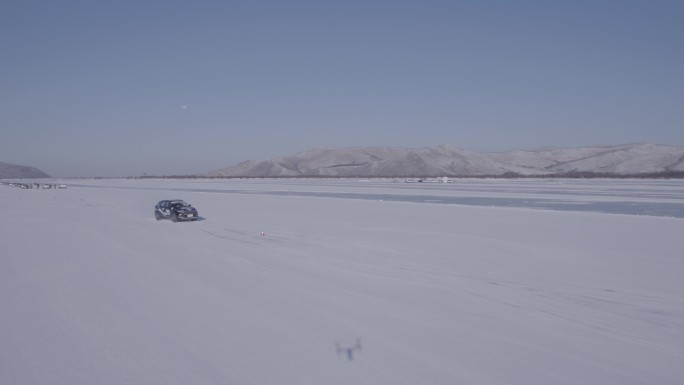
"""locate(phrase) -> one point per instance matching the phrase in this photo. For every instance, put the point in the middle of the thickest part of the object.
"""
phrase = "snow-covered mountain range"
(8, 170)
(453, 161)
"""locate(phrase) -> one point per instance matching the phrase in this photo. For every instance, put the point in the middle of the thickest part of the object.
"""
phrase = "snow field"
(96, 291)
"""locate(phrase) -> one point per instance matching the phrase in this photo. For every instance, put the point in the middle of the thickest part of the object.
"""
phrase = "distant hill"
(453, 161)
(8, 170)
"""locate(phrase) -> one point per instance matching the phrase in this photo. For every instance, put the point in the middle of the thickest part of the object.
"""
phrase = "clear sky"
(121, 88)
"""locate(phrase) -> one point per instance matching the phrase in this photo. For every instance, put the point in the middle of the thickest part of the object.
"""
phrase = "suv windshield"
(179, 204)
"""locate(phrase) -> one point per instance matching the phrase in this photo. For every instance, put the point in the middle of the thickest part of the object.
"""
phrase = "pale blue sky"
(118, 88)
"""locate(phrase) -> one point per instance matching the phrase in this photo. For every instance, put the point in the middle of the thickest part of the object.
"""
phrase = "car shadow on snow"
(199, 219)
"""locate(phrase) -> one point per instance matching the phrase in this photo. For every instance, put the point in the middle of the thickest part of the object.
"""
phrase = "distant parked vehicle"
(176, 210)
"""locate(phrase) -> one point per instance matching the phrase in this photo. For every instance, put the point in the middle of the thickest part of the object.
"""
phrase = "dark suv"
(175, 209)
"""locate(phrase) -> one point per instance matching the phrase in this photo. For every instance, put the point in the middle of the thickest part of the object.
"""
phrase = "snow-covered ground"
(94, 290)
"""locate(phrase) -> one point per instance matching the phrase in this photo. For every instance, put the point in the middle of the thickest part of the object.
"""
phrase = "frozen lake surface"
(344, 282)
(633, 197)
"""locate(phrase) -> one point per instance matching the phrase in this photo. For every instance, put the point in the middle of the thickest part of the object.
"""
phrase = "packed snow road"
(278, 289)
